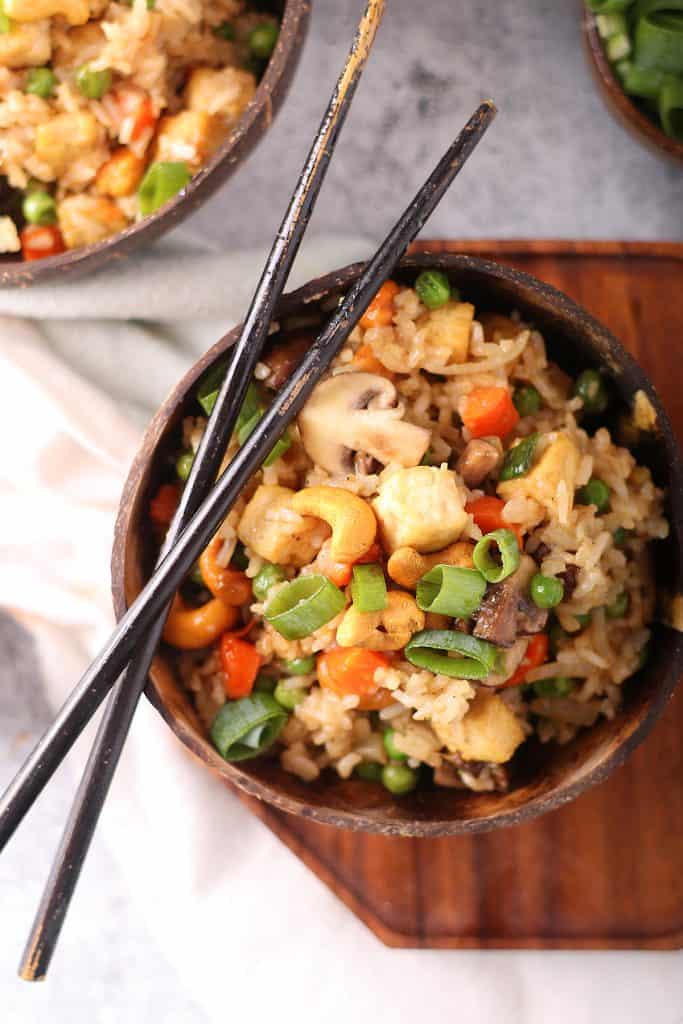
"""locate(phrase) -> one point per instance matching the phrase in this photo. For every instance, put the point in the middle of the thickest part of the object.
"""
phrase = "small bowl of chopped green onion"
(635, 48)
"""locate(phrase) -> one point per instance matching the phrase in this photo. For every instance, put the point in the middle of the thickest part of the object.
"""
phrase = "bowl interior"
(543, 776)
(252, 126)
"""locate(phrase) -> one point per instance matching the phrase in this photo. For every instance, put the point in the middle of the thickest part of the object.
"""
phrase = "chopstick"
(156, 594)
(115, 724)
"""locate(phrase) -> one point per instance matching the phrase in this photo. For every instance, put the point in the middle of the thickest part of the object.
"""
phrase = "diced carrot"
(351, 670)
(487, 513)
(536, 655)
(366, 361)
(163, 505)
(38, 242)
(138, 117)
(489, 412)
(230, 585)
(380, 312)
(373, 554)
(240, 662)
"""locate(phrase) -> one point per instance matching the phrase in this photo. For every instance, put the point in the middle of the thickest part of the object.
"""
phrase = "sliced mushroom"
(506, 612)
(479, 459)
(359, 412)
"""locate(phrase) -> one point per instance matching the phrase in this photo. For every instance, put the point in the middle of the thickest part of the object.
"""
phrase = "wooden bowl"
(250, 129)
(635, 120)
(545, 776)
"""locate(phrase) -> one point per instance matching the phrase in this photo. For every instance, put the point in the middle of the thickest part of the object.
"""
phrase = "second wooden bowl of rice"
(423, 753)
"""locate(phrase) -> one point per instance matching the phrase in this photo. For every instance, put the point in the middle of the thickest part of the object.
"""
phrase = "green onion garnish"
(245, 728)
(671, 107)
(304, 605)
(450, 590)
(494, 570)
(605, 6)
(281, 445)
(518, 459)
(369, 588)
(430, 649)
(210, 385)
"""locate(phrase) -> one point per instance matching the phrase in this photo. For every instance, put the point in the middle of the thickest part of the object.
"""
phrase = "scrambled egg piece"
(420, 508)
(224, 91)
(448, 332)
(558, 464)
(191, 136)
(488, 732)
(76, 12)
(62, 140)
(273, 530)
(26, 46)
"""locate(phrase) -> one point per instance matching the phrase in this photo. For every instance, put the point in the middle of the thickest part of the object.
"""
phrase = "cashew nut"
(76, 12)
(407, 566)
(352, 520)
(193, 628)
(228, 585)
(388, 630)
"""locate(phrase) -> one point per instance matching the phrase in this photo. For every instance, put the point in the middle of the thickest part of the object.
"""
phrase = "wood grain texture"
(605, 870)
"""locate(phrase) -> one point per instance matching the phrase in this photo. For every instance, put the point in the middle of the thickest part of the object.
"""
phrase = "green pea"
(225, 30)
(93, 84)
(557, 636)
(262, 39)
(591, 388)
(371, 771)
(39, 208)
(620, 536)
(40, 82)
(433, 288)
(184, 465)
(392, 750)
(265, 683)
(546, 591)
(619, 606)
(162, 182)
(239, 557)
(559, 686)
(288, 699)
(596, 492)
(527, 400)
(265, 578)
(399, 778)
(299, 666)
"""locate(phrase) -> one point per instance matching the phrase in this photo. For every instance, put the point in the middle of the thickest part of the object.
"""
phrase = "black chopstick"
(113, 729)
(157, 593)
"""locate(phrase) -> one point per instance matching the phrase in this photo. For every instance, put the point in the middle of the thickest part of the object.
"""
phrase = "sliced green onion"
(299, 666)
(611, 23)
(304, 605)
(281, 445)
(671, 108)
(518, 460)
(508, 549)
(183, 466)
(607, 6)
(658, 40)
(644, 82)
(557, 686)
(245, 728)
(161, 183)
(430, 649)
(369, 588)
(617, 47)
(210, 385)
(450, 590)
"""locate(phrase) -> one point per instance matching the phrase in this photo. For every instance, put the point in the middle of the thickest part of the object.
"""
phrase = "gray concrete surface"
(554, 164)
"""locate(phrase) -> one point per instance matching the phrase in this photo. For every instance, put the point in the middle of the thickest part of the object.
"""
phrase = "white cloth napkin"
(82, 365)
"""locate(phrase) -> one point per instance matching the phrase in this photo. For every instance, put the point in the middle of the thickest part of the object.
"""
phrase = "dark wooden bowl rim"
(551, 792)
(248, 131)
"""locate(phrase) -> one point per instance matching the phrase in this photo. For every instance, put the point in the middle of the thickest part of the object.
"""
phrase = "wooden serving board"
(603, 872)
